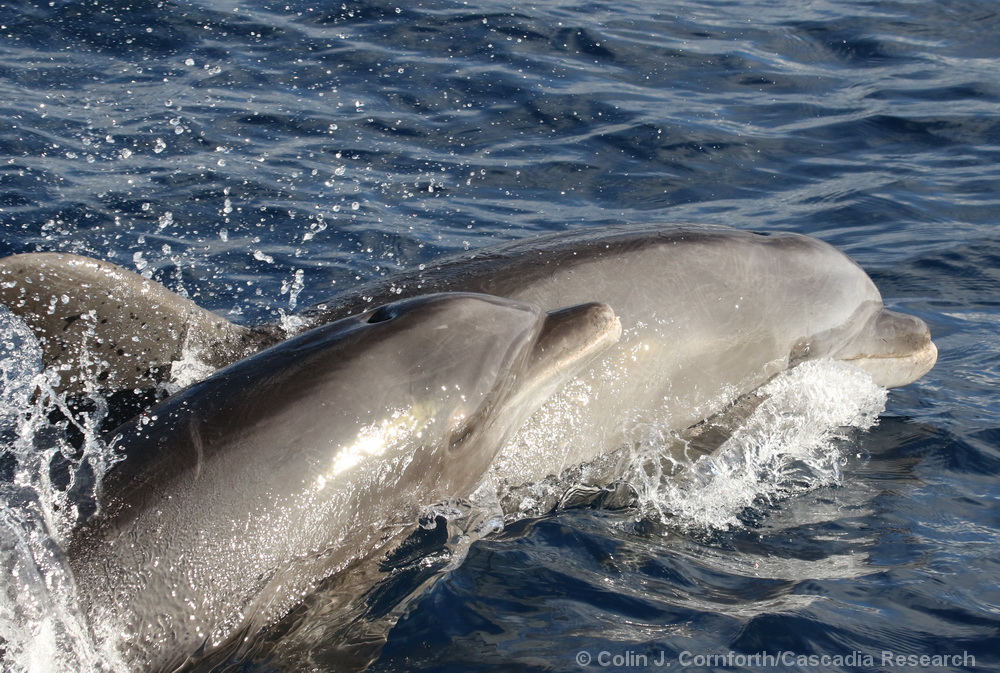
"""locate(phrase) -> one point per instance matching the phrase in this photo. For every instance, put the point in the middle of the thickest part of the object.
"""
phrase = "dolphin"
(708, 315)
(103, 326)
(809, 290)
(238, 495)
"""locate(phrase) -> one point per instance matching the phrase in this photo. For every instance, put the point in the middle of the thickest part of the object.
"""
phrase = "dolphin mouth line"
(926, 352)
(894, 371)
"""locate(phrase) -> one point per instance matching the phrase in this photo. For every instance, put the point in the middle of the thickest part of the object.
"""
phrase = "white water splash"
(186, 371)
(293, 288)
(42, 628)
(783, 439)
(791, 443)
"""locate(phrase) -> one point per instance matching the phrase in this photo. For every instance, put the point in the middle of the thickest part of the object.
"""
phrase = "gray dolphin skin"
(101, 324)
(810, 293)
(708, 315)
(240, 494)
(128, 330)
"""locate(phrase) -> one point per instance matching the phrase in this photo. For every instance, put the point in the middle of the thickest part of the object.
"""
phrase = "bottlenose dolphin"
(708, 315)
(103, 326)
(240, 494)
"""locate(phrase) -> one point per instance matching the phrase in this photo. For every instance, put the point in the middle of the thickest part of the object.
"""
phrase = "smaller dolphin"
(244, 491)
(709, 314)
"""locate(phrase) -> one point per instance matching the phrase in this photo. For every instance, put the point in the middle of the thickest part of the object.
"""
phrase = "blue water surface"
(260, 156)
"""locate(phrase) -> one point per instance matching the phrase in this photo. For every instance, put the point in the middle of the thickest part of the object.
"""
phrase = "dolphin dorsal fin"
(99, 322)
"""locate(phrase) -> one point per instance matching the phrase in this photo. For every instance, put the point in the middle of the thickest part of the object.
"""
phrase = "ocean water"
(262, 156)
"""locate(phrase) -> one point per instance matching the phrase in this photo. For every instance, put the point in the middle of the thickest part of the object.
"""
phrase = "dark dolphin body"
(243, 492)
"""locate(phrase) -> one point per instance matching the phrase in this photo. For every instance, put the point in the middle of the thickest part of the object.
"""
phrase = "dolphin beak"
(895, 348)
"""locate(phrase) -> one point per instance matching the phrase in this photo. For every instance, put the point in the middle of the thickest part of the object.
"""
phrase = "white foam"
(20, 362)
(43, 628)
(791, 443)
(187, 371)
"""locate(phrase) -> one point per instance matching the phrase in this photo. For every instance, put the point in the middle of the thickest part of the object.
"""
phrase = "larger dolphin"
(240, 494)
(708, 314)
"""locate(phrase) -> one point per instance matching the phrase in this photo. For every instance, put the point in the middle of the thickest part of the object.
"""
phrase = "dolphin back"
(102, 325)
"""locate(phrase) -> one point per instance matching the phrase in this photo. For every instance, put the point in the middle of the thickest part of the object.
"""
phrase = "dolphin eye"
(381, 314)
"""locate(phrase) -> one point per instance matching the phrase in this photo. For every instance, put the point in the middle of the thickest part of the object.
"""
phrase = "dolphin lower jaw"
(895, 371)
(569, 340)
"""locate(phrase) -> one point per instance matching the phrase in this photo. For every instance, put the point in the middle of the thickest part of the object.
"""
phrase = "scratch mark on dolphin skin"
(198, 445)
